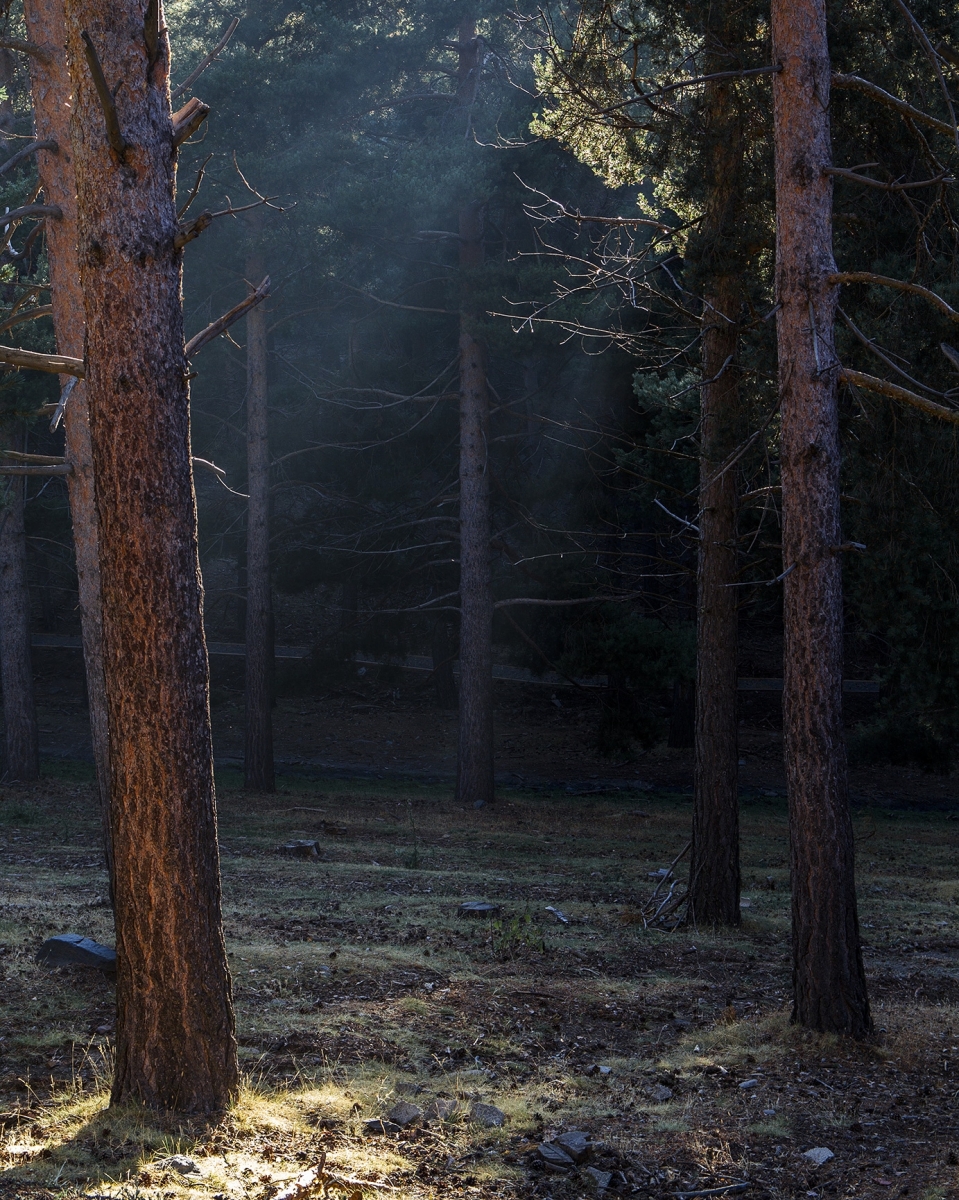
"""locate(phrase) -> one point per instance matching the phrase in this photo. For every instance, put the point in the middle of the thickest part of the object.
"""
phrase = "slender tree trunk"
(52, 106)
(176, 1048)
(829, 985)
(714, 876)
(16, 670)
(260, 660)
(474, 770)
(443, 655)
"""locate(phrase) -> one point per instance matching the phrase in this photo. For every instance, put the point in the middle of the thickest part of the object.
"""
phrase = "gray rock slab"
(478, 908)
(600, 1179)
(488, 1115)
(661, 1094)
(300, 849)
(376, 1125)
(576, 1143)
(554, 1156)
(405, 1114)
(818, 1155)
(67, 949)
(180, 1163)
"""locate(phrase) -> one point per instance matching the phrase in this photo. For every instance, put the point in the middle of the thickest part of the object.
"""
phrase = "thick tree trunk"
(714, 876)
(258, 759)
(176, 1048)
(474, 768)
(52, 107)
(22, 761)
(829, 986)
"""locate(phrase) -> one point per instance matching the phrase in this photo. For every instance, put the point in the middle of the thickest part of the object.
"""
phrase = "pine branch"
(854, 83)
(894, 392)
(900, 285)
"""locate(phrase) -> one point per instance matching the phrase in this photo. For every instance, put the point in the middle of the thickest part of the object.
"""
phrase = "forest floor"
(359, 986)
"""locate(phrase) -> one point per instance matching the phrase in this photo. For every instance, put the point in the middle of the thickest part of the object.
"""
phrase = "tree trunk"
(829, 986)
(443, 655)
(260, 660)
(22, 763)
(714, 876)
(176, 1048)
(52, 107)
(474, 768)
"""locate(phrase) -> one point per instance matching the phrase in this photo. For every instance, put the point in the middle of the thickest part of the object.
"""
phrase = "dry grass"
(357, 985)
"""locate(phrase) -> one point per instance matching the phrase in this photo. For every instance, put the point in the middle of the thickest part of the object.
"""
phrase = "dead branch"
(885, 359)
(894, 392)
(214, 53)
(188, 119)
(209, 466)
(30, 210)
(901, 285)
(215, 328)
(16, 469)
(195, 189)
(114, 135)
(843, 173)
(33, 460)
(192, 229)
(42, 310)
(52, 364)
(22, 46)
(854, 83)
(15, 159)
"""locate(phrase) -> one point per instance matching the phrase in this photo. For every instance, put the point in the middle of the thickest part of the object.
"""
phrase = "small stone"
(599, 1178)
(488, 1115)
(300, 849)
(604, 1070)
(747, 1084)
(554, 1157)
(67, 949)
(575, 1143)
(376, 1125)
(180, 1163)
(478, 908)
(405, 1114)
(769, 1112)
(661, 1094)
(441, 1110)
(818, 1155)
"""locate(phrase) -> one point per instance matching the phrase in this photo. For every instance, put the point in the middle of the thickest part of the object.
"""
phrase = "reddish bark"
(176, 1048)
(829, 986)
(52, 109)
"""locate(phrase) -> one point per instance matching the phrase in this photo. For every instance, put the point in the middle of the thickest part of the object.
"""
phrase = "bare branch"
(15, 159)
(53, 364)
(192, 229)
(24, 47)
(894, 392)
(214, 53)
(195, 189)
(215, 328)
(900, 285)
(188, 119)
(30, 210)
(884, 358)
(854, 83)
(209, 466)
(42, 310)
(114, 135)
(843, 173)
(17, 469)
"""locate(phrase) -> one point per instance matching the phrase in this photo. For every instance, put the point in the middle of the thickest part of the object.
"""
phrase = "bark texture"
(258, 758)
(176, 1048)
(474, 767)
(52, 109)
(22, 760)
(829, 986)
(714, 866)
